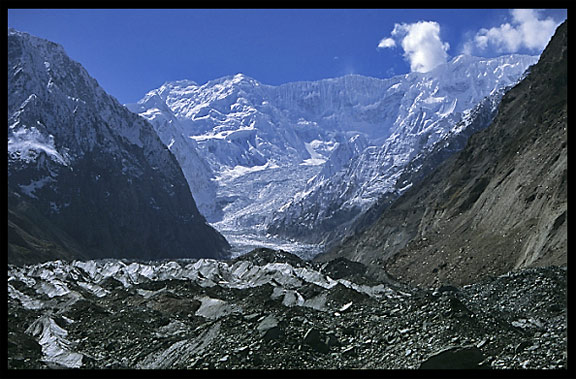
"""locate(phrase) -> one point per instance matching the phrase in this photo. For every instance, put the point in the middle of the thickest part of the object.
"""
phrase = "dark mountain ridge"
(86, 177)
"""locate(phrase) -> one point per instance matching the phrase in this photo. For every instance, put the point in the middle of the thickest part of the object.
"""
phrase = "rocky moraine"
(272, 310)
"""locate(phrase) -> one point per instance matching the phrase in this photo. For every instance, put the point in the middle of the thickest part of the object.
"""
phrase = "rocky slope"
(86, 177)
(498, 205)
(272, 310)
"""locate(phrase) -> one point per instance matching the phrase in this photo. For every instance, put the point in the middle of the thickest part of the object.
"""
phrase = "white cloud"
(526, 30)
(386, 42)
(421, 43)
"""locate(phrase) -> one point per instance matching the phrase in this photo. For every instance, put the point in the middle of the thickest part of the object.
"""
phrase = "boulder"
(269, 328)
(316, 340)
(458, 357)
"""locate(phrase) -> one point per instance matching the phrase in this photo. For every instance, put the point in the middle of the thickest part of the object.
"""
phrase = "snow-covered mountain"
(263, 143)
(432, 106)
(198, 173)
(337, 203)
(241, 126)
(274, 149)
(87, 177)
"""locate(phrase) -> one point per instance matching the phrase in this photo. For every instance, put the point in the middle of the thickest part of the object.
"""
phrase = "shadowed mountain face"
(86, 177)
(498, 205)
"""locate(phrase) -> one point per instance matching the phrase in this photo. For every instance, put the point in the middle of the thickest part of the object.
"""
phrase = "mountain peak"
(179, 83)
(48, 48)
(238, 79)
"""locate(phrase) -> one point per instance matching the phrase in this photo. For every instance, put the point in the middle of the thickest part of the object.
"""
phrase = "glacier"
(55, 287)
(268, 164)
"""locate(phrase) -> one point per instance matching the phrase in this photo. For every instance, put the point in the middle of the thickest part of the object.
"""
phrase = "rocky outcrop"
(500, 204)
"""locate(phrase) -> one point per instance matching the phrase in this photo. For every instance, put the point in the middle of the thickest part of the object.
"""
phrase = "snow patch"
(34, 185)
(237, 171)
(26, 301)
(27, 142)
(316, 158)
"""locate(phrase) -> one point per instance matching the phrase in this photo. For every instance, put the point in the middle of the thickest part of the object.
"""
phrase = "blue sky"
(131, 51)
